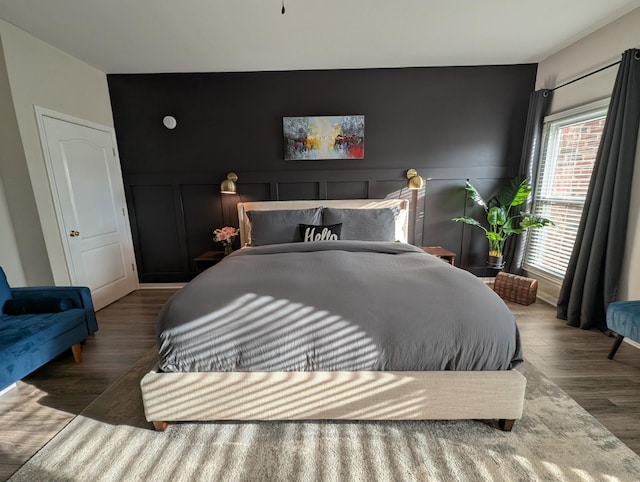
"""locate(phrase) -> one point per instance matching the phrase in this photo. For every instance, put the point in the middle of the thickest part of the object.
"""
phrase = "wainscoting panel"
(342, 189)
(256, 191)
(382, 189)
(201, 205)
(444, 199)
(159, 253)
(291, 191)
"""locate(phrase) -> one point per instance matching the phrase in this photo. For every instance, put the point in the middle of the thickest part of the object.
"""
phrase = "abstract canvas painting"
(323, 137)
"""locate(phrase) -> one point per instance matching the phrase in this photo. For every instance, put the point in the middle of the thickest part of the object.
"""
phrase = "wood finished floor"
(45, 401)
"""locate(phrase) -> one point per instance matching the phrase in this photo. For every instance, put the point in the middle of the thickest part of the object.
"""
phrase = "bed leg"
(506, 424)
(160, 426)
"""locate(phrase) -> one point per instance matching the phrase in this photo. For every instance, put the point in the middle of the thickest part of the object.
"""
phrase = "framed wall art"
(323, 137)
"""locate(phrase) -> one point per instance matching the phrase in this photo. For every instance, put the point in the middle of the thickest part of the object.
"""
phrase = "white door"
(89, 197)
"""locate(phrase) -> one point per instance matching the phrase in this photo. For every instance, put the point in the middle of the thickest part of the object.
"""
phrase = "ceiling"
(143, 36)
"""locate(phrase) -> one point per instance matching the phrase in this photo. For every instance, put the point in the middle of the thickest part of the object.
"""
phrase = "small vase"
(228, 249)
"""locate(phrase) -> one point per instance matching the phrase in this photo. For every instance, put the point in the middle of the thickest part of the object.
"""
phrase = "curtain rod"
(586, 75)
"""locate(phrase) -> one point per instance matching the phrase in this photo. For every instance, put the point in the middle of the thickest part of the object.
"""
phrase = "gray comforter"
(336, 305)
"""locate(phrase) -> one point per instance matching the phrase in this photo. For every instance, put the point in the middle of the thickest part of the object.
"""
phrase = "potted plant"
(501, 223)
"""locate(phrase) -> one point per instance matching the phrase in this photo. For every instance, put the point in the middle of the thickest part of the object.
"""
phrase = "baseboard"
(161, 286)
(632, 343)
(548, 298)
(6, 389)
(488, 280)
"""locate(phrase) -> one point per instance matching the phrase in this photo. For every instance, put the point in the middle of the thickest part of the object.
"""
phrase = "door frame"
(41, 113)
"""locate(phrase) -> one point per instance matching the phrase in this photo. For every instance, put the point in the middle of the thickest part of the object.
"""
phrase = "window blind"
(569, 152)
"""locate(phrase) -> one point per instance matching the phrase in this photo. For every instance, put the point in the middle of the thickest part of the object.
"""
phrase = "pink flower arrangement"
(226, 236)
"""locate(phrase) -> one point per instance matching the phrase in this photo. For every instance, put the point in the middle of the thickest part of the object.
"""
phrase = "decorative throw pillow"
(313, 232)
(36, 305)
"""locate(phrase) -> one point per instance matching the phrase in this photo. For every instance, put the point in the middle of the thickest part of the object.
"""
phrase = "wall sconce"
(415, 181)
(169, 122)
(228, 186)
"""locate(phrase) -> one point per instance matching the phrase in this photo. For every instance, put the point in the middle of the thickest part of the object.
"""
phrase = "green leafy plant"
(501, 223)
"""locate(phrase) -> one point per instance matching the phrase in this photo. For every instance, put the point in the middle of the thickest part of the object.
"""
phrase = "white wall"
(13, 174)
(39, 74)
(9, 254)
(592, 52)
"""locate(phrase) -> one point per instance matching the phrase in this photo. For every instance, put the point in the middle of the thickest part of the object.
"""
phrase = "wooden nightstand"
(441, 253)
(207, 260)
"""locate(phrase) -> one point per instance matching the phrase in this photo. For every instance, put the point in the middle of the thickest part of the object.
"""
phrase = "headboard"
(402, 222)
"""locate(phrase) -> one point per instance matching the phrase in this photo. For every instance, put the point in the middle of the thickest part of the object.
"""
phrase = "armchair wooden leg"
(77, 353)
(616, 345)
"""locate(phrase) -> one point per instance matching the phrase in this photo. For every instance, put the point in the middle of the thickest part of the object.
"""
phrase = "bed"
(364, 327)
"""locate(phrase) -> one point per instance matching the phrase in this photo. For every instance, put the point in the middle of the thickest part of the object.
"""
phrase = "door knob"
(73, 233)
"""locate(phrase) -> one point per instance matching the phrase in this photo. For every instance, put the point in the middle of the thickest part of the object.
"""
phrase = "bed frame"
(338, 395)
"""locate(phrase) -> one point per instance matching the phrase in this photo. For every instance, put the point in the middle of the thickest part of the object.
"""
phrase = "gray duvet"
(336, 305)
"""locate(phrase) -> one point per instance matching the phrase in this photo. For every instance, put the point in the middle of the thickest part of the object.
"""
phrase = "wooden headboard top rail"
(402, 222)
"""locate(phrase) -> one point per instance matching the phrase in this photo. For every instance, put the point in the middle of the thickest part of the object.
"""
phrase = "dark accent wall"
(449, 123)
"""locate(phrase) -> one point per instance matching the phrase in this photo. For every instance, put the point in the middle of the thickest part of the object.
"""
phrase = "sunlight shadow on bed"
(290, 395)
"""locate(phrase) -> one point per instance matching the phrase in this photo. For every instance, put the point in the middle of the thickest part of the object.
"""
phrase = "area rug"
(555, 440)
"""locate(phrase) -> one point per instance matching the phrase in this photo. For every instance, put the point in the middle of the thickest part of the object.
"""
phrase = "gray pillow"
(363, 224)
(275, 227)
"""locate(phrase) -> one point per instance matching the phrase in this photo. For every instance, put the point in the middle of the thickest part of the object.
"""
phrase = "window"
(570, 146)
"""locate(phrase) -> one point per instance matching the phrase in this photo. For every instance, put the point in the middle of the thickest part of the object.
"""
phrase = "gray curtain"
(593, 275)
(538, 106)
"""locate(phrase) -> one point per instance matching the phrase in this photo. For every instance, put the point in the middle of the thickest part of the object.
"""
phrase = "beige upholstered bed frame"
(362, 395)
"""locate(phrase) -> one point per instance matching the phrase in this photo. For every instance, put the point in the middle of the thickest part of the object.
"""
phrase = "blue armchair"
(623, 319)
(39, 323)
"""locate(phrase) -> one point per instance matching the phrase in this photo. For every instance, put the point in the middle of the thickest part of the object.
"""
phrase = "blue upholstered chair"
(623, 318)
(39, 323)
